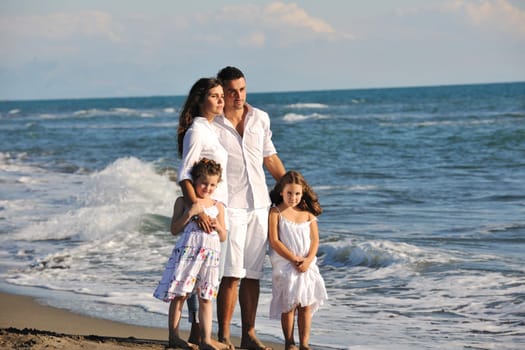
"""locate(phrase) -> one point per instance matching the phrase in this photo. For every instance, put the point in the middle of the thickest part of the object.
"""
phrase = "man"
(244, 131)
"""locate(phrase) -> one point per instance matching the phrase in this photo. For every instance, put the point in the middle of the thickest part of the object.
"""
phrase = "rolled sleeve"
(268, 148)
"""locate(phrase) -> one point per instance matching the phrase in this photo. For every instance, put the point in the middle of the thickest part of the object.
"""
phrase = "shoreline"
(24, 320)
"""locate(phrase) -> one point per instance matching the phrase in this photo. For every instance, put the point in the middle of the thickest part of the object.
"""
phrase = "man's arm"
(190, 198)
(275, 166)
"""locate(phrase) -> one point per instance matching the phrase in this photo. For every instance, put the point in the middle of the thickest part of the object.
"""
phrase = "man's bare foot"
(221, 346)
(226, 341)
(178, 343)
(290, 346)
(207, 346)
(252, 343)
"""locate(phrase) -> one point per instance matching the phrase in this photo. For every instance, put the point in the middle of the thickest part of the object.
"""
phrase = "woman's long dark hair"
(192, 106)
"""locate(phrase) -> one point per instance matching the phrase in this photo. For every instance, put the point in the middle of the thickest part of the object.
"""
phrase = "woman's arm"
(191, 154)
(188, 192)
(219, 225)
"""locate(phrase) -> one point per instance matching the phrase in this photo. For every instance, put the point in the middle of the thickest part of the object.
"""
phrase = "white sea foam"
(294, 117)
(308, 105)
(105, 222)
(109, 201)
(117, 112)
(447, 122)
(123, 110)
(13, 159)
(375, 254)
(350, 188)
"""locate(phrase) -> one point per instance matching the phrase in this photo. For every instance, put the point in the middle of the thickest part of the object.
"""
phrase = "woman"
(196, 140)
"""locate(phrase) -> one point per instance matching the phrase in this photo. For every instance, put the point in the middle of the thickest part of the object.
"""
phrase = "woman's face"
(213, 103)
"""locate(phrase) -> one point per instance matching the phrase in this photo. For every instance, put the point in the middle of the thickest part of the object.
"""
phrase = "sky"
(52, 49)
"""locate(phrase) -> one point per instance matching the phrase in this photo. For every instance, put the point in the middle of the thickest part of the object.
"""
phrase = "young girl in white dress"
(194, 262)
(297, 285)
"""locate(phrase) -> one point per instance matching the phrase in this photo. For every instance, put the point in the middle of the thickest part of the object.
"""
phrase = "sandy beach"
(27, 324)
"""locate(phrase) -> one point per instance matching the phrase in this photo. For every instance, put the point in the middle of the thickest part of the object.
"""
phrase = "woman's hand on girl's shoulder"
(196, 209)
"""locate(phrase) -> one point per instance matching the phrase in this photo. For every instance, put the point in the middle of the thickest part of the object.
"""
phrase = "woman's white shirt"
(201, 141)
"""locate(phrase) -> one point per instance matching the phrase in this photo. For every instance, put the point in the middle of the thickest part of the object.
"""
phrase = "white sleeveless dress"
(193, 264)
(290, 288)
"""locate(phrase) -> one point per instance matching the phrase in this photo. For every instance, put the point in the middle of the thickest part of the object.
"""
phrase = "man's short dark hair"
(229, 73)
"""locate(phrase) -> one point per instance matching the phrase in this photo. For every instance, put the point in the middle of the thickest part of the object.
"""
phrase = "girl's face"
(205, 185)
(213, 103)
(292, 194)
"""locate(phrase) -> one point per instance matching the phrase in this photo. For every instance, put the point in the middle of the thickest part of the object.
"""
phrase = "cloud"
(244, 25)
(294, 16)
(256, 39)
(277, 24)
(500, 15)
(60, 26)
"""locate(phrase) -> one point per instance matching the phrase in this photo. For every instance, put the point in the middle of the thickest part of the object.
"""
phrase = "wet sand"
(27, 324)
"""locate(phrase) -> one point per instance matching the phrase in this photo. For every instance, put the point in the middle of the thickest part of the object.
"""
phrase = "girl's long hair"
(192, 106)
(309, 201)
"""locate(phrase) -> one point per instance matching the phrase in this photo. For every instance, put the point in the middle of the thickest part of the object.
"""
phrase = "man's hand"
(204, 222)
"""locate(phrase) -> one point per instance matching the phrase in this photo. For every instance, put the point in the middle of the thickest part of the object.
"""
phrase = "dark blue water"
(423, 190)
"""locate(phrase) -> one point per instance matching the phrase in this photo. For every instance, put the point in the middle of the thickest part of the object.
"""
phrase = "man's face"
(234, 94)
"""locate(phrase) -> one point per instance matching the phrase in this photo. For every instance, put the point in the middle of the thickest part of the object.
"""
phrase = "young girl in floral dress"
(194, 262)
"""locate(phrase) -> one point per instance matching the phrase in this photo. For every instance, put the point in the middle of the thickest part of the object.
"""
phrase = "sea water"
(422, 239)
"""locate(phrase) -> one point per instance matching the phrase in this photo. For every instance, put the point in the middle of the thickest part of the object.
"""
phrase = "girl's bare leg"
(205, 323)
(193, 306)
(304, 324)
(173, 324)
(287, 324)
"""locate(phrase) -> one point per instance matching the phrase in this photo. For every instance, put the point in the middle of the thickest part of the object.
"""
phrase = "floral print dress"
(193, 264)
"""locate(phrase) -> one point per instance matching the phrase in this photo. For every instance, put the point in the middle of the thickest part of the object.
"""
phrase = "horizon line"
(262, 92)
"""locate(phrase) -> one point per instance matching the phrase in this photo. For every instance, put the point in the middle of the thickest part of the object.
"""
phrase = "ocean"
(422, 238)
